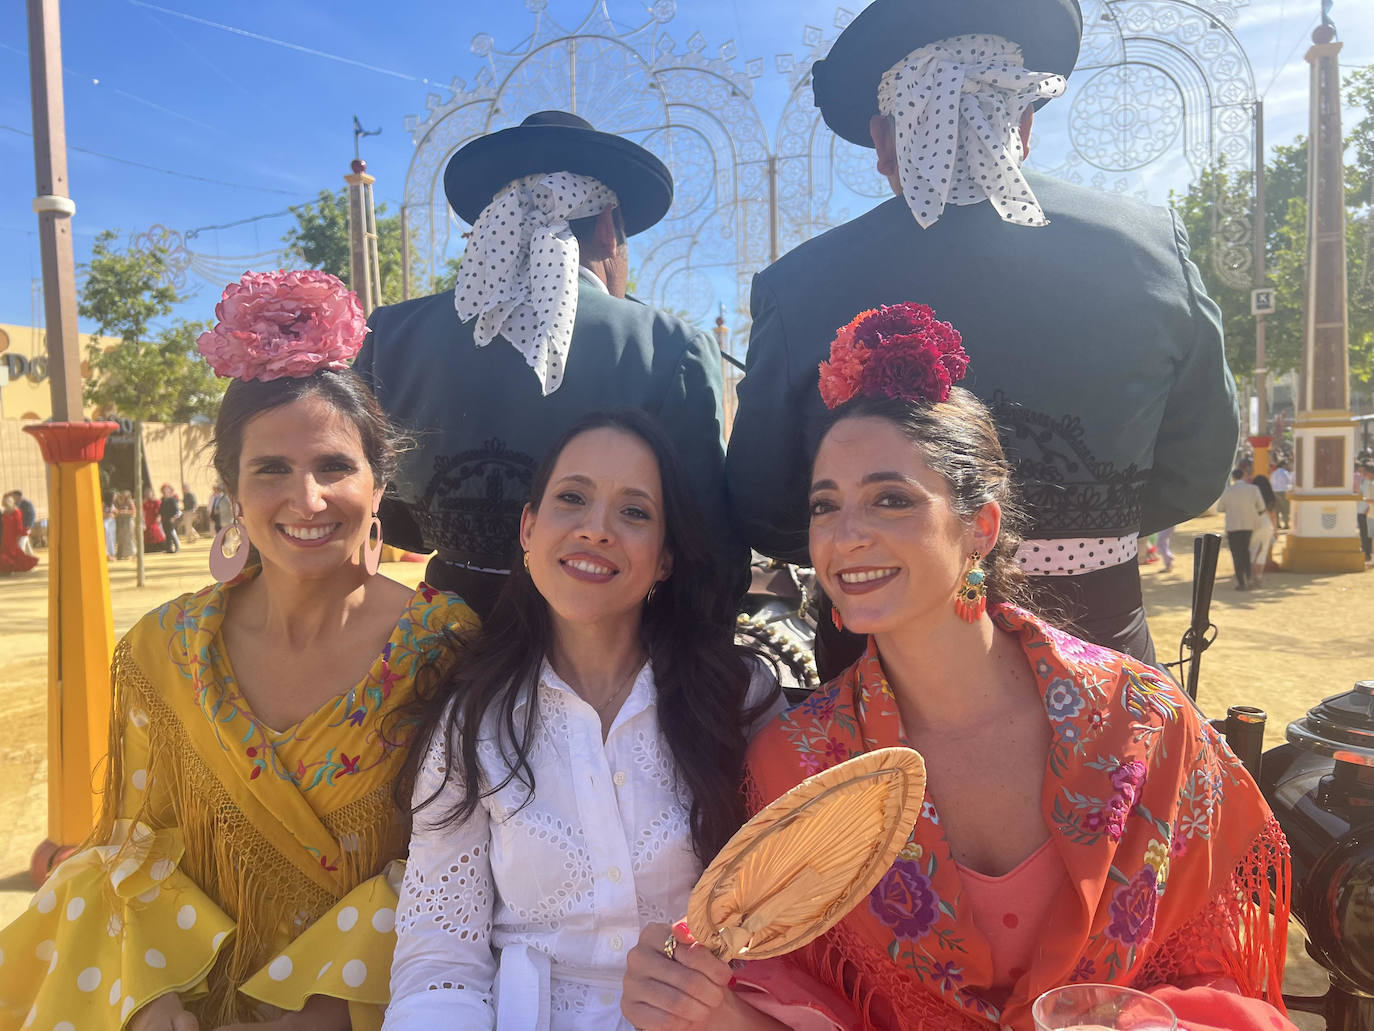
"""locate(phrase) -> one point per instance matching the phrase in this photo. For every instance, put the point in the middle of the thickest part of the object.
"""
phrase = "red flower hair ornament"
(901, 351)
(287, 323)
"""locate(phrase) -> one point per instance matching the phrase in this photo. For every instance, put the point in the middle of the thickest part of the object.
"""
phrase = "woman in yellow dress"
(242, 869)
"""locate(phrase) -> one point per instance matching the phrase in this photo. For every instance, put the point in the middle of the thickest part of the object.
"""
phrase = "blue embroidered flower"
(1063, 700)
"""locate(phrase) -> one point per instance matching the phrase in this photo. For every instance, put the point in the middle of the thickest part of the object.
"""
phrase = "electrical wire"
(165, 171)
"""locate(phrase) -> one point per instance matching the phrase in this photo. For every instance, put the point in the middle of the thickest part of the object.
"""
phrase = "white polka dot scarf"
(519, 272)
(957, 104)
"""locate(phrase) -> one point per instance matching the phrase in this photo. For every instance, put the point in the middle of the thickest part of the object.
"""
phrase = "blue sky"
(256, 99)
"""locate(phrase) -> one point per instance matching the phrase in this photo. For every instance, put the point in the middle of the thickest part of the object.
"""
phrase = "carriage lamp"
(1321, 788)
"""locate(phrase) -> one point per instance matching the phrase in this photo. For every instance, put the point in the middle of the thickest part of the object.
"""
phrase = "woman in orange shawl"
(1082, 822)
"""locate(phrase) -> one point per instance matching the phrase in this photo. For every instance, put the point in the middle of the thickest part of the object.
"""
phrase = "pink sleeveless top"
(1010, 910)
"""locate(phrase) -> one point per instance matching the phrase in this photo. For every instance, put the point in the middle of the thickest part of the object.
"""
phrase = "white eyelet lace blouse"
(520, 919)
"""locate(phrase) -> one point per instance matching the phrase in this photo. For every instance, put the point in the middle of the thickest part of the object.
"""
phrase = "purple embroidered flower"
(1128, 779)
(819, 704)
(1133, 909)
(1062, 700)
(947, 975)
(1094, 821)
(1076, 650)
(835, 751)
(1115, 817)
(1086, 970)
(905, 901)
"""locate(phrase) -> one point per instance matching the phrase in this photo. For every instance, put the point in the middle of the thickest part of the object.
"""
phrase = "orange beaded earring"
(971, 600)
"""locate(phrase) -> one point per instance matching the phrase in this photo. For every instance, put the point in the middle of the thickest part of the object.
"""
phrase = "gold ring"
(670, 947)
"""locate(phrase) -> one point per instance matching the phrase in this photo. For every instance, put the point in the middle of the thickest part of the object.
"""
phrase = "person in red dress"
(13, 558)
(153, 537)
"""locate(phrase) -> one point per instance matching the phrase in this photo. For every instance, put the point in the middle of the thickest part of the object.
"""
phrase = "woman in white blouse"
(584, 762)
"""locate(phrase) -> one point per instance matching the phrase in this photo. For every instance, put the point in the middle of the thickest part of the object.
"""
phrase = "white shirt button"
(617, 943)
(614, 874)
(620, 778)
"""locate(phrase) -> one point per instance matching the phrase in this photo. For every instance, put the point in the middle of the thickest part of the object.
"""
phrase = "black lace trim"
(1066, 491)
(471, 507)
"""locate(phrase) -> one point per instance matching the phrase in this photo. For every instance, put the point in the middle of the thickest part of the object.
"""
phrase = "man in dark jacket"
(1091, 335)
(538, 333)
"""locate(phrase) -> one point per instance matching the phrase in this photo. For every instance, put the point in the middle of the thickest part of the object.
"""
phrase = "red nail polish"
(683, 933)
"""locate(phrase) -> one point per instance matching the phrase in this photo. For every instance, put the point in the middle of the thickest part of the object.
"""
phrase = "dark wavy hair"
(958, 440)
(342, 389)
(701, 675)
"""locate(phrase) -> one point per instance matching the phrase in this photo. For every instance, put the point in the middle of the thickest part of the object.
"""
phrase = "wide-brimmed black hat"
(845, 83)
(555, 141)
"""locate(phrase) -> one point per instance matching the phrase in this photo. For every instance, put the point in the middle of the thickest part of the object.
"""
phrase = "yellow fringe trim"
(263, 890)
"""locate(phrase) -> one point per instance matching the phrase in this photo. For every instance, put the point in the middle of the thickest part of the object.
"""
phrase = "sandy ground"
(1282, 647)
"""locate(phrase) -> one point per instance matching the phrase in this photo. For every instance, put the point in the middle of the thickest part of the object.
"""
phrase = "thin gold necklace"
(601, 709)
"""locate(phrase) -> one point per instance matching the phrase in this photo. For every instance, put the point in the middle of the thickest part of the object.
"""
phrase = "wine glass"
(1101, 1007)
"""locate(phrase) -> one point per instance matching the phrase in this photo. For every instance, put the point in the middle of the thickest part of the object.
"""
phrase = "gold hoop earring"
(527, 560)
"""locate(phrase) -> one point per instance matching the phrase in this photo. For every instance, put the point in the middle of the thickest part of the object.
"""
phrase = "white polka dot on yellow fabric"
(186, 917)
(32, 1016)
(114, 925)
(65, 1025)
(324, 969)
(45, 902)
(162, 869)
(384, 920)
(76, 907)
(348, 916)
(150, 895)
(115, 990)
(52, 963)
(138, 717)
(122, 872)
(155, 959)
(45, 950)
(139, 779)
(89, 979)
(2, 957)
(126, 1008)
(354, 973)
(218, 940)
(280, 968)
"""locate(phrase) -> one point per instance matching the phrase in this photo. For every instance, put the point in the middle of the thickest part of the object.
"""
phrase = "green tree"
(1286, 237)
(147, 374)
(320, 240)
(447, 279)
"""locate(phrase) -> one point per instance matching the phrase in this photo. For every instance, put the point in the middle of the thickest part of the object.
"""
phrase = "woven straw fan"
(794, 870)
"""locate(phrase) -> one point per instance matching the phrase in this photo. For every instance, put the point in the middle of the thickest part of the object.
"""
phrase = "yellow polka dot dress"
(243, 868)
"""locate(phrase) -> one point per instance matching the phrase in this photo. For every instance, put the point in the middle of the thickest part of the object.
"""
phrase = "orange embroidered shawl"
(1171, 850)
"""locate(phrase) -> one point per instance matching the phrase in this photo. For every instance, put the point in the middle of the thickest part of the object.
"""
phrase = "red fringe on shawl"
(1244, 929)
(1242, 935)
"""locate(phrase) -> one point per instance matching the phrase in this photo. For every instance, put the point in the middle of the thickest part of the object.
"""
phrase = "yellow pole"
(1260, 446)
(80, 631)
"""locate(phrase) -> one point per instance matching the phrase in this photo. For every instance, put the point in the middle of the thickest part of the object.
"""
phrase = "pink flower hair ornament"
(899, 351)
(286, 323)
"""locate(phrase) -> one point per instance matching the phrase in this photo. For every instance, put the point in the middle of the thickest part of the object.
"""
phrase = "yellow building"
(174, 454)
(24, 390)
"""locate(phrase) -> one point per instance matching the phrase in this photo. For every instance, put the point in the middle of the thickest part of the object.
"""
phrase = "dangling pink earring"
(372, 550)
(835, 617)
(229, 550)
